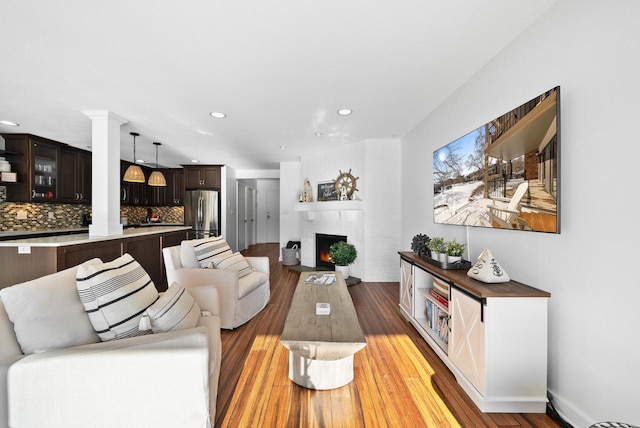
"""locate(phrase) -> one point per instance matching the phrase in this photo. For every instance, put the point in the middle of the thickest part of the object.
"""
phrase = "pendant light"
(134, 173)
(157, 178)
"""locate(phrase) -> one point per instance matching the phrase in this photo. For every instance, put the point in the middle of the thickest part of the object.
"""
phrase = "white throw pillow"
(115, 295)
(197, 253)
(176, 309)
(234, 261)
(47, 314)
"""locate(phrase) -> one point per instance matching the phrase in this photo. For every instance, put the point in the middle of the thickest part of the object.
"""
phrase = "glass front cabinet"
(44, 164)
(36, 163)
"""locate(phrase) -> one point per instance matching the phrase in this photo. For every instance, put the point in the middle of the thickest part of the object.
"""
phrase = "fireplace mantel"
(344, 208)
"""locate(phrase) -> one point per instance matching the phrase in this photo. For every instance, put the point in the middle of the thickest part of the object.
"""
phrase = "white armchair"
(55, 372)
(240, 298)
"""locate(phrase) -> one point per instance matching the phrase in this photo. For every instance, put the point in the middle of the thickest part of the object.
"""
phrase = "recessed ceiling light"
(318, 134)
(194, 161)
(217, 115)
(8, 123)
(139, 161)
(345, 111)
(283, 147)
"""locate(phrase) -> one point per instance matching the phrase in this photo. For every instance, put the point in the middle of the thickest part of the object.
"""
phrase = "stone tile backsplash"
(42, 216)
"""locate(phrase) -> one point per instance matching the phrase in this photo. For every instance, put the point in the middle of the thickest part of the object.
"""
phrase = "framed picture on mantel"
(327, 191)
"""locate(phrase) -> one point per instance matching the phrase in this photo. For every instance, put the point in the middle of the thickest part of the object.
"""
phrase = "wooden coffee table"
(321, 347)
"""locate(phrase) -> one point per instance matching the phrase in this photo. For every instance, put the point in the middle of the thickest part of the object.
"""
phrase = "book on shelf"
(441, 287)
(321, 279)
(437, 320)
(443, 301)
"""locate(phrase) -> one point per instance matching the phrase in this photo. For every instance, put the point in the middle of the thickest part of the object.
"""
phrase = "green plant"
(436, 245)
(343, 253)
(420, 244)
(454, 248)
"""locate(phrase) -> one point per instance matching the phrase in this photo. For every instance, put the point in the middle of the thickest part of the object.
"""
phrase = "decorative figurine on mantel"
(307, 192)
(346, 185)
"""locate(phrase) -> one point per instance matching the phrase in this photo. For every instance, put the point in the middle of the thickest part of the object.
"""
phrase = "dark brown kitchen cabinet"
(135, 194)
(36, 164)
(75, 176)
(202, 176)
(178, 187)
(145, 248)
(173, 193)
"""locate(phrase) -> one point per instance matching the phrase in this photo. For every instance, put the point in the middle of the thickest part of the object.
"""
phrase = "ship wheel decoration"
(345, 185)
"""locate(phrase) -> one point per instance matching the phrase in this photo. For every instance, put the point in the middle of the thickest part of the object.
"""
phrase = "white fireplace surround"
(370, 221)
(331, 218)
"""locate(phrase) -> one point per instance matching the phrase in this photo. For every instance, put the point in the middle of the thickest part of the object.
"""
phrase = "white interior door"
(273, 216)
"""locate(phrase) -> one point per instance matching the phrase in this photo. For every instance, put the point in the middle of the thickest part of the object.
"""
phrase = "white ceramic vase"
(453, 259)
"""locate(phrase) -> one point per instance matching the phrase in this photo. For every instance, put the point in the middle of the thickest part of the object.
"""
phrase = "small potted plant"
(436, 245)
(454, 251)
(343, 254)
(420, 245)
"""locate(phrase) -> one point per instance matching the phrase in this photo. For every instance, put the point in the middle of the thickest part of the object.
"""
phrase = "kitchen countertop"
(22, 234)
(64, 237)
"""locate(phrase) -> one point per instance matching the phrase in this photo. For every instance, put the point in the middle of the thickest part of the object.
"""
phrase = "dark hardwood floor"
(398, 379)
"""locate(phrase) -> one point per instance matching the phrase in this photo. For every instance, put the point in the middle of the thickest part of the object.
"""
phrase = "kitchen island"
(26, 258)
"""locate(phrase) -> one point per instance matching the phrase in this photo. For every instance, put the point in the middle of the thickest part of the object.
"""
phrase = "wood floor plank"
(433, 415)
(398, 378)
(369, 398)
(278, 406)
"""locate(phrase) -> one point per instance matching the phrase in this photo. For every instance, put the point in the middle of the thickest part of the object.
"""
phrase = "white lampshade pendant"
(134, 173)
(157, 178)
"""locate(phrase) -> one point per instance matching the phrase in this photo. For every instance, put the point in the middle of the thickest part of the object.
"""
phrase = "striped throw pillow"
(210, 250)
(115, 295)
(176, 309)
(233, 261)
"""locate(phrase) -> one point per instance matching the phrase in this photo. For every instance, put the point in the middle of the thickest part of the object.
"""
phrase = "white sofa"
(241, 298)
(155, 380)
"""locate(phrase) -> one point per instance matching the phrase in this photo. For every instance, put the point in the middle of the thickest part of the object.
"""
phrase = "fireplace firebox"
(323, 243)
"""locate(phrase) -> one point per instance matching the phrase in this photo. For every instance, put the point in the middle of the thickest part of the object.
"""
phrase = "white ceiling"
(279, 69)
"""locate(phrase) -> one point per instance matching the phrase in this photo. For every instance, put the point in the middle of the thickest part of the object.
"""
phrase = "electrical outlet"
(51, 215)
(21, 215)
(24, 250)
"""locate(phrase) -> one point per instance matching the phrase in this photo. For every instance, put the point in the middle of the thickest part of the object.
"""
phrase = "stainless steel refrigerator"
(201, 212)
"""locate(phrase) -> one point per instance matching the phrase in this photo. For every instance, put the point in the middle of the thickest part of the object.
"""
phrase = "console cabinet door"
(406, 287)
(467, 341)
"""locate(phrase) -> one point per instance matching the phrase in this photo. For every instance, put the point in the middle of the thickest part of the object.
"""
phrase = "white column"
(105, 187)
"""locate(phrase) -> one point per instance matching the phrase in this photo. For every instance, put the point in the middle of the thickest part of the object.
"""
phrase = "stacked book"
(437, 315)
(440, 292)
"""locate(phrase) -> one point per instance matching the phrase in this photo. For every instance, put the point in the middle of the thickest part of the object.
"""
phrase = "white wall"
(589, 48)
(228, 199)
(381, 209)
(290, 187)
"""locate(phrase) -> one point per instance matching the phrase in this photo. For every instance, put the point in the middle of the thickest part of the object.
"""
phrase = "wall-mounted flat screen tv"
(504, 174)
